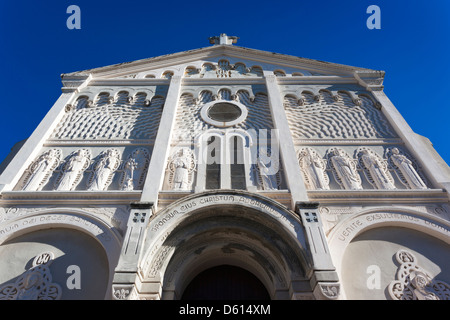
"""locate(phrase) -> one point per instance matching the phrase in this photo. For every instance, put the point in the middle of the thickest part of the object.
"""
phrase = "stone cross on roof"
(223, 39)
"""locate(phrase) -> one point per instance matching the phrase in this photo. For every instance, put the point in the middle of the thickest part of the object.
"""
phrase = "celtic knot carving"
(415, 283)
(35, 283)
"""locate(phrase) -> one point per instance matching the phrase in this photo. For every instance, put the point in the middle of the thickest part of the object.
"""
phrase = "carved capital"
(122, 291)
(327, 290)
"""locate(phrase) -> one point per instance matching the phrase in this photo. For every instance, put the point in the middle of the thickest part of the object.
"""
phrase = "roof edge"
(222, 49)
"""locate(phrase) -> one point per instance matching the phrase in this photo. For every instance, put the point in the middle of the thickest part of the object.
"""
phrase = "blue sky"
(412, 46)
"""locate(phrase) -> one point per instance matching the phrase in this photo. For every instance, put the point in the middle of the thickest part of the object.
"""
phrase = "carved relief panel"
(91, 169)
(180, 169)
(111, 115)
(359, 168)
(314, 169)
(40, 170)
(72, 170)
(324, 115)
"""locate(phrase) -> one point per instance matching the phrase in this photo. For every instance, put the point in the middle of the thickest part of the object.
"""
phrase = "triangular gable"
(217, 60)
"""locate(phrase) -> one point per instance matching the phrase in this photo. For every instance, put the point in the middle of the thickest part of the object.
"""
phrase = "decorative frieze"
(111, 117)
(325, 116)
(223, 69)
(360, 169)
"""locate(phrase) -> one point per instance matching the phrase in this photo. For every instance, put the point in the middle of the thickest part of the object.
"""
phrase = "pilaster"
(289, 159)
(324, 279)
(127, 267)
(161, 148)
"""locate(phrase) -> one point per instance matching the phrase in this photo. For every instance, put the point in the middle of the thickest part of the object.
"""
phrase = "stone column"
(292, 172)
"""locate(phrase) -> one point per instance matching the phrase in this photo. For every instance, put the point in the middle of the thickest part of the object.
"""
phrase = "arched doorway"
(226, 228)
(225, 282)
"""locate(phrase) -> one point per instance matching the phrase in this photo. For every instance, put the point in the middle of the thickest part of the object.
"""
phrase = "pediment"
(222, 61)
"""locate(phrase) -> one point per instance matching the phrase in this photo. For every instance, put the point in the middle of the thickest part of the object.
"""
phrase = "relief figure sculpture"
(72, 170)
(377, 170)
(405, 166)
(104, 168)
(345, 169)
(314, 169)
(41, 169)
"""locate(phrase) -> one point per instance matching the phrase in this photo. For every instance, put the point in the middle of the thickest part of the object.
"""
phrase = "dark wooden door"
(225, 283)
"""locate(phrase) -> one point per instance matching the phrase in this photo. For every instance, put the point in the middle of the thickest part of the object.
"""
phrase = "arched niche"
(366, 243)
(76, 238)
(369, 264)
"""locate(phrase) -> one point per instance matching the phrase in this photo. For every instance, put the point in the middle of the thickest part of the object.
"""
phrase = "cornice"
(367, 197)
(98, 142)
(349, 141)
(70, 197)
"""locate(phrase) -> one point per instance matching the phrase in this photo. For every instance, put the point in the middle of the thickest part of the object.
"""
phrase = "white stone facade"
(317, 185)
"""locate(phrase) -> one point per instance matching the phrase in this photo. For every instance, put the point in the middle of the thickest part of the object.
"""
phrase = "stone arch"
(225, 227)
(373, 219)
(73, 219)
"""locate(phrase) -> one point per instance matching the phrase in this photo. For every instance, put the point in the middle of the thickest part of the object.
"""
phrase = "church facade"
(229, 173)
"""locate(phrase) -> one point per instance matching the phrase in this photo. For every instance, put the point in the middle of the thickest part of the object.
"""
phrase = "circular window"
(223, 113)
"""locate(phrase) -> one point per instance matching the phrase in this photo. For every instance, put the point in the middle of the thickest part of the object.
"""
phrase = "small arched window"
(213, 156)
